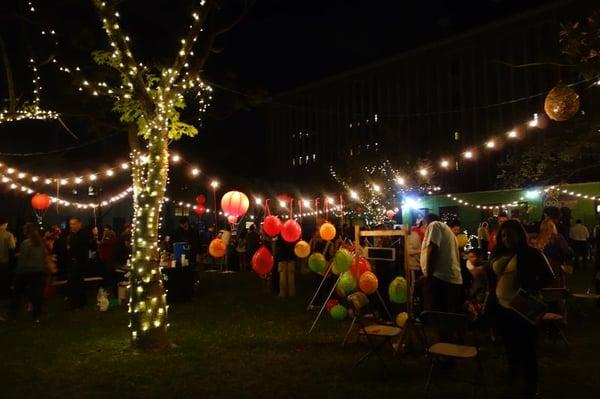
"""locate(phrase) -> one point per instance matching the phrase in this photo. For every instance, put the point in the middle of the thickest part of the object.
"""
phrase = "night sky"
(280, 45)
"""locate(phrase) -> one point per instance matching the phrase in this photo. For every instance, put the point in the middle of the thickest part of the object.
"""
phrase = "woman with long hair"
(517, 265)
(30, 272)
(555, 248)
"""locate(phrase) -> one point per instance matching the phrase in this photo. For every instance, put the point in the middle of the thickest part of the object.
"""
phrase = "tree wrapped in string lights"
(150, 99)
(376, 187)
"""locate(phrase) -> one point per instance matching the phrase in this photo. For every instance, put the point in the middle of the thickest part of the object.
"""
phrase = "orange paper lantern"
(327, 231)
(235, 203)
(217, 248)
(40, 202)
(368, 283)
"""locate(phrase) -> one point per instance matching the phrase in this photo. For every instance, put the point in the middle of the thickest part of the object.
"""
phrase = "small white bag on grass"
(102, 299)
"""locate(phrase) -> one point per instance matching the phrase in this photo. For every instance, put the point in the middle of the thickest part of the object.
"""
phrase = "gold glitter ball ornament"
(562, 103)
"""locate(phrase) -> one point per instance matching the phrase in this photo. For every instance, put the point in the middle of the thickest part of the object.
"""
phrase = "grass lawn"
(235, 340)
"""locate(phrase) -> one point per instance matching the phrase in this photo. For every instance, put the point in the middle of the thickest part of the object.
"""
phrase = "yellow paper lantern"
(401, 319)
(217, 248)
(327, 231)
(562, 103)
(302, 249)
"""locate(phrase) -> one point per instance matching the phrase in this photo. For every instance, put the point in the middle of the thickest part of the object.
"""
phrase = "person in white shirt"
(440, 263)
(579, 235)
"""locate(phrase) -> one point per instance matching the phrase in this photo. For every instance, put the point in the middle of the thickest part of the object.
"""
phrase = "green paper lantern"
(316, 262)
(343, 260)
(346, 283)
(339, 312)
(398, 291)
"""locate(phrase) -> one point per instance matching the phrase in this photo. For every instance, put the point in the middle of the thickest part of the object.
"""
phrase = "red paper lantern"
(232, 219)
(363, 266)
(200, 209)
(201, 199)
(390, 214)
(262, 261)
(272, 226)
(40, 202)
(291, 231)
(235, 203)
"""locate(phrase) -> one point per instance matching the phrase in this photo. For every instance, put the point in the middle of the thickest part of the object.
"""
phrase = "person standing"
(579, 235)
(286, 263)
(252, 241)
(516, 266)
(440, 264)
(29, 275)
(78, 246)
(107, 247)
(555, 248)
(7, 245)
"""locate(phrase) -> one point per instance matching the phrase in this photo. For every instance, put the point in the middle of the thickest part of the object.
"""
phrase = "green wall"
(470, 216)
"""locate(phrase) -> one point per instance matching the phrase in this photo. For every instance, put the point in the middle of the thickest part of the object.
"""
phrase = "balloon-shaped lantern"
(200, 209)
(235, 203)
(316, 262)
(339, 312)
(363, 266)
(272, 226)
(302, 249)
(262, 261)
(40, 202)
(346, 283)
(342, 260)
(217, 248)
(368, 283)
(201, 199)
(562, 103)
(291, 231)
(398, 291)
(327, 231)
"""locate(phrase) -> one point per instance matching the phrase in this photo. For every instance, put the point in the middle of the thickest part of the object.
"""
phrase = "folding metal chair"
(555, 321)
(449, 326)
(377, 335)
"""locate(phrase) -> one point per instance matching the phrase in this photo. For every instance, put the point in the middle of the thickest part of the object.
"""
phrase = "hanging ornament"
(562, 103)
(201, 199)
(272, 226)
(200, 209)
(262, 261)
(40, 202)
(327, 231)
(235, 203)
(217, 248)
(368, 283)
(291, 231)
(302, 249)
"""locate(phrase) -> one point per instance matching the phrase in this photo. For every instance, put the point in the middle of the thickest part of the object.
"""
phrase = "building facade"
(426, 103)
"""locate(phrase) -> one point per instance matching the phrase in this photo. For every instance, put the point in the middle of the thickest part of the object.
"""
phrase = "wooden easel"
(410, 327)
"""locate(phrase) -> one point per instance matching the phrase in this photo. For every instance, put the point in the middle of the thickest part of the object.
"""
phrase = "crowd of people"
(508, 262)
(30, 267)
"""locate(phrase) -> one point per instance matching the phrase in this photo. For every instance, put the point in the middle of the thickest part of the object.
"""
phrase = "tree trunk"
(148, 301)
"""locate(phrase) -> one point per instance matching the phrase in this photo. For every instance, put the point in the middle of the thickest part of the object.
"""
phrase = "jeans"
(34, 281)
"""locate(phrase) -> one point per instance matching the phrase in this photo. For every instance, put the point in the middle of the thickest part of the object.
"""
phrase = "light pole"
(215, 184)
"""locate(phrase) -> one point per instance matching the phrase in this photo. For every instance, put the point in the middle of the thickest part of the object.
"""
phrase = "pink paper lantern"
(235, 203)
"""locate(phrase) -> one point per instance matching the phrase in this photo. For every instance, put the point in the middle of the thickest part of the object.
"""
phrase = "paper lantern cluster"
(562, 103)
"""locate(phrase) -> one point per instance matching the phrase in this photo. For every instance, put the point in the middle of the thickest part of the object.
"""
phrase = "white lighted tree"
(149, 99)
